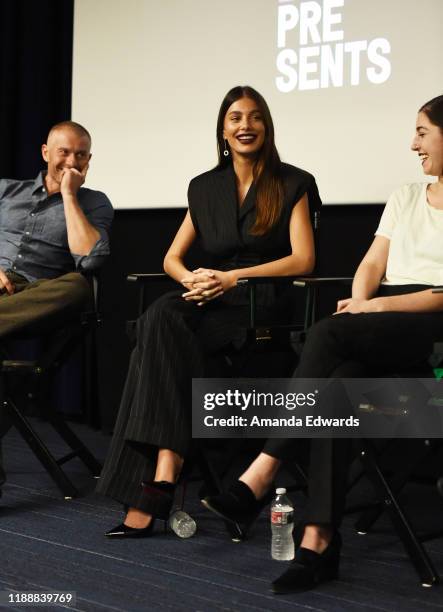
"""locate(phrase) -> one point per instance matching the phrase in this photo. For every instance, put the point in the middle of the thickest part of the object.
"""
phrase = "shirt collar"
(39, 183)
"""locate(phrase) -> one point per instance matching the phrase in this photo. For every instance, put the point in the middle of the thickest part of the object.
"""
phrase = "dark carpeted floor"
(47, 543)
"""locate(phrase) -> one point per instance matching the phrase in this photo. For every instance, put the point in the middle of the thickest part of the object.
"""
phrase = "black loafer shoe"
(309, 568)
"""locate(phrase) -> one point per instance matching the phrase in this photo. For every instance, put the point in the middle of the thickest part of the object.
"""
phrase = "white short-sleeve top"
(415, 231)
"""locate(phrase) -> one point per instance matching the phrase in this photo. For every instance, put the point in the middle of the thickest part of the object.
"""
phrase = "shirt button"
(14, 267)
(20, 256)
(32, 214)
(27, 233)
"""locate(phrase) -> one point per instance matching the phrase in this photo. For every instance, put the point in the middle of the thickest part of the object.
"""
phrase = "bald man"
(51, 231)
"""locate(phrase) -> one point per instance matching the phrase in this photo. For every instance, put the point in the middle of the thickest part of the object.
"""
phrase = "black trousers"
(176, 341)
(353, 345)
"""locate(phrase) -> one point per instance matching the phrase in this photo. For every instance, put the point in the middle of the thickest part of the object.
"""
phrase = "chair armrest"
(146, 278)
(264, 280)
(252, 281)
(311, 283)
(322, 281)
(297, 281)
(91, 318)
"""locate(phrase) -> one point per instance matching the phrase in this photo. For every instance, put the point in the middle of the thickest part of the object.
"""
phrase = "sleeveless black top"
(223, 227)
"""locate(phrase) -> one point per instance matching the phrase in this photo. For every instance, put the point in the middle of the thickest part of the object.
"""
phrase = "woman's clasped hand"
(205, 285)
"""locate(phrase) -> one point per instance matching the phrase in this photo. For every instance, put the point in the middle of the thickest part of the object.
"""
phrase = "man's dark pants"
(37, 308)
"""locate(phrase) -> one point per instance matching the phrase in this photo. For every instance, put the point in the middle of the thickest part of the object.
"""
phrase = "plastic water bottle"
(182, 524)
(282, 524)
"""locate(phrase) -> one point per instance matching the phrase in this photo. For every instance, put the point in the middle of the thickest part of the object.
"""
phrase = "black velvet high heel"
(158, 498)
(238, 506)
(124, 531)
(309, 569)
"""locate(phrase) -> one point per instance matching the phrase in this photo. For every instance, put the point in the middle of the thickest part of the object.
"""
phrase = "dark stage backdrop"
(35, 79)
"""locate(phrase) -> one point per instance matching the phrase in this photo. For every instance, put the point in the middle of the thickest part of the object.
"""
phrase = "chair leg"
(40, 450)
(299, 474)
(400, 479)
(184, 486)
(72, 440)
(5, 423)
(210, 476)
(414, 548)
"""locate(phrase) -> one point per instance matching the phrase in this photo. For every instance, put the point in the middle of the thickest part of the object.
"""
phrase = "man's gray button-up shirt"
(33, 234)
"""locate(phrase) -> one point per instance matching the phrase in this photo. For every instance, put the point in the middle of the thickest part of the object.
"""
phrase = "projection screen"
(343, 79)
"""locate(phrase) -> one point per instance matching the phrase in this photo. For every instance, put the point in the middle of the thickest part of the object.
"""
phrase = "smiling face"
(243, 128)
(66, 148)
(428, 143)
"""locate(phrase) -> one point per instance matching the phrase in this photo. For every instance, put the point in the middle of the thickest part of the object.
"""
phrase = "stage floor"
(49, 544)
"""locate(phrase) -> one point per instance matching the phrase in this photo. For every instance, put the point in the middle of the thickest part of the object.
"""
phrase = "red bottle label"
(281, 518)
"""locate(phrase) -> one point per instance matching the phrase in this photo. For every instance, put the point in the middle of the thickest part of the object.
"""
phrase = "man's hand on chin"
(72, 180)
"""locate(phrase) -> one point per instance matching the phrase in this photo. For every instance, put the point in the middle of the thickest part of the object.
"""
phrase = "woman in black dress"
(392, 318)
(251, 214)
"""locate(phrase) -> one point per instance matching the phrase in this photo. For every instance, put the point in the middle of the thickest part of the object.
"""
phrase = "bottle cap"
(280, 491)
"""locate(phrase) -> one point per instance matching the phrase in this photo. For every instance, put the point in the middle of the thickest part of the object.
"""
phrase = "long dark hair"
(434, 111)
(267, 166)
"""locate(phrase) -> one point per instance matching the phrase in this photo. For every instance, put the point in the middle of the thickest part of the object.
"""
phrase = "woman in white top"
(392, 318)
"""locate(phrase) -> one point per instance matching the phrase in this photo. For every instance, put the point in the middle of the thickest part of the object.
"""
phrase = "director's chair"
(36, 376)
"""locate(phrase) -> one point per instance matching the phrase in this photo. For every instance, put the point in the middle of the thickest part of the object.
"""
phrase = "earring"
(226, 150)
